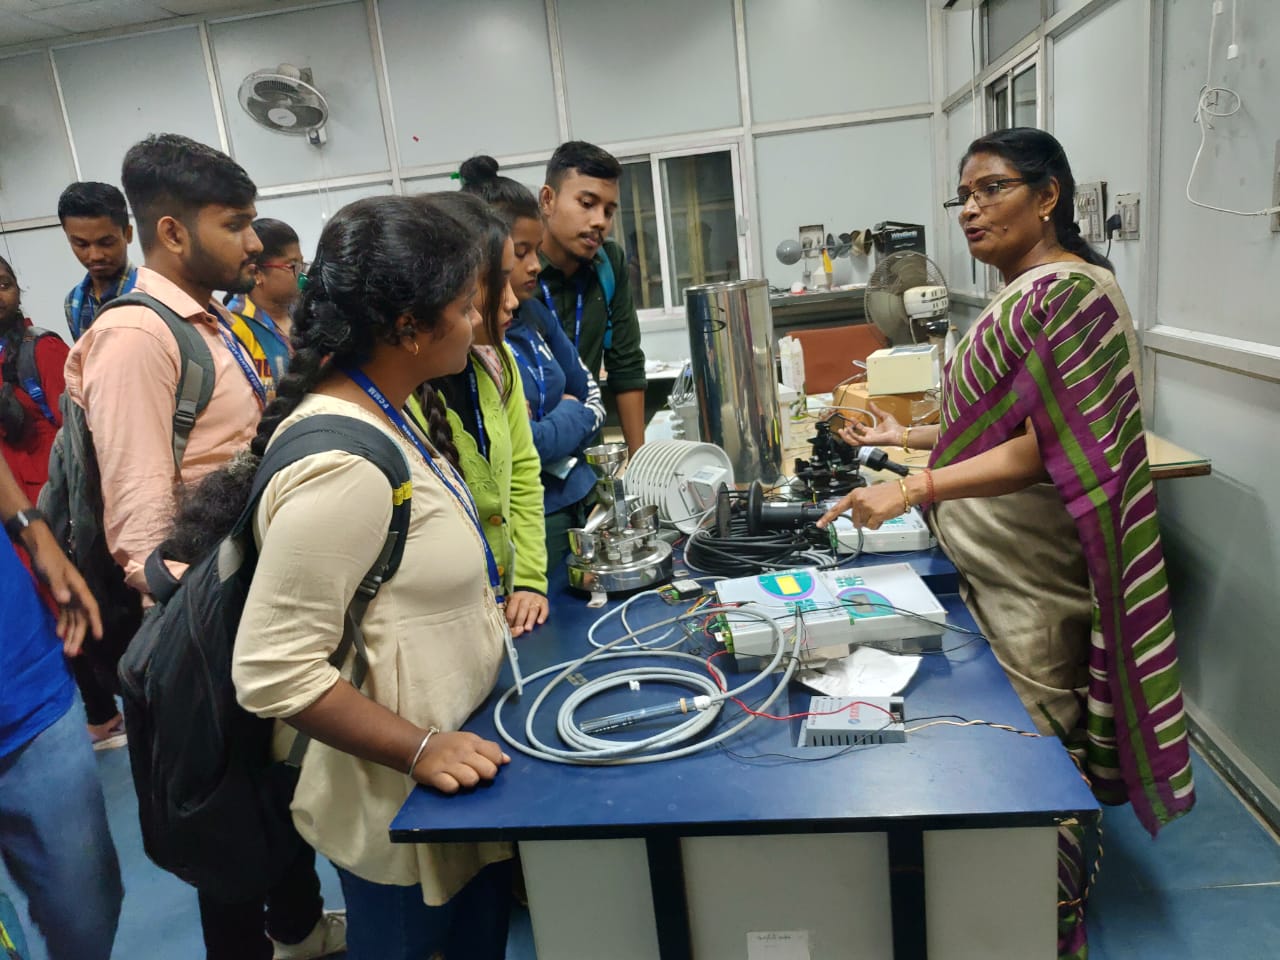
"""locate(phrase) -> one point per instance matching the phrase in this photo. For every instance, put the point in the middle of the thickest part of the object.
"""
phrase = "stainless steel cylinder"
(732, 349)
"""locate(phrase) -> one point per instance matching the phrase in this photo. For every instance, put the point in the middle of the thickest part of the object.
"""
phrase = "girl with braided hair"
(489, 421)
(386, 307)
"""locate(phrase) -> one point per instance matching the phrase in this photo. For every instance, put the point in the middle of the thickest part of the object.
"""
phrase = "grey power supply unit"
(853, 721)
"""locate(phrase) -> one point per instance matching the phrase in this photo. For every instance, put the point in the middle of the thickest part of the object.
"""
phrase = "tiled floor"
(1210, 887)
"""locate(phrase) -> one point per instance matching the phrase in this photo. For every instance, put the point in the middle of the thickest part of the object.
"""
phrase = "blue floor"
(1209, 887)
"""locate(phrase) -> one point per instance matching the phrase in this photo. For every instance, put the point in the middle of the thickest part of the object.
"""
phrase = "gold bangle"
(906, 432)
(906, 498)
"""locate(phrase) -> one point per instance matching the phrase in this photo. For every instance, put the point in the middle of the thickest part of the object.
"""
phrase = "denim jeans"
(55, 841)
(386, 922)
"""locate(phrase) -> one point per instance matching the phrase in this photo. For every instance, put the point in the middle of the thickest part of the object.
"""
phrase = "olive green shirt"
(624, 360)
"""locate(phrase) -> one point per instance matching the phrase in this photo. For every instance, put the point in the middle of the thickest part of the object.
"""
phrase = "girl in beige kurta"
(386, 307)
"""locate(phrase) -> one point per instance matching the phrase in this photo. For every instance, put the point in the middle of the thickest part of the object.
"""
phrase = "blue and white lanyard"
(78, 300)
(539, 376)
(577, 313)
(458, 490)
(250, 374)
(482, 439)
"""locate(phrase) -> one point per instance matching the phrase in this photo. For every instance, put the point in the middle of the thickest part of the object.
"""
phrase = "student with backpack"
(385, 308)
(164, 394)
(96, 223)
(53, 819)
(490, 440)
(32, 361)
(561, 396)
(584, 280)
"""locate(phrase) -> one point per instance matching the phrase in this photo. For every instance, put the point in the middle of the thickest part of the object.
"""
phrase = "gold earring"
(415, 347)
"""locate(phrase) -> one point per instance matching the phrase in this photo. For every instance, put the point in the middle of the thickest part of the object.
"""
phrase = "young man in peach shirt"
(194, 209)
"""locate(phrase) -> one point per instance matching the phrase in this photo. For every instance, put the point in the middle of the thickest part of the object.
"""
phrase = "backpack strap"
(320, 434)
(608, 284)
(29, 371)
(195, 374)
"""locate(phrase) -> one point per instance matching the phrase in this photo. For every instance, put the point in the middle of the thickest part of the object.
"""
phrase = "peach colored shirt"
(124, 373)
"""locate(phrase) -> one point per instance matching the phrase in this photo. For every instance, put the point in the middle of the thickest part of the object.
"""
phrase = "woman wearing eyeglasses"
(262, 318)
(1040, 491)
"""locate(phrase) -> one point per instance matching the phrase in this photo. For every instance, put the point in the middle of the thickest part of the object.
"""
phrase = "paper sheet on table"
(778, 945)
(866, 672)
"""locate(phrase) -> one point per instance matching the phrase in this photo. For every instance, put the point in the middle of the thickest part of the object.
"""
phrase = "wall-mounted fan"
(907, 299)
(285, 100)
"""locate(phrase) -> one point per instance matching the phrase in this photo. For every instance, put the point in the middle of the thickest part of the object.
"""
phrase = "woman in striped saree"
(1041, 494)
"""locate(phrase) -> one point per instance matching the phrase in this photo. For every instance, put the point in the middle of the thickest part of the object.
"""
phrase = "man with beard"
(194, 209)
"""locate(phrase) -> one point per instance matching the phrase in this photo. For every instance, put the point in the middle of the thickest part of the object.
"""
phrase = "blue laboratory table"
(943, 846)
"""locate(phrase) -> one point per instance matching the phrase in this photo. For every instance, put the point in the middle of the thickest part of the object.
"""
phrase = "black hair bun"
(479, 169)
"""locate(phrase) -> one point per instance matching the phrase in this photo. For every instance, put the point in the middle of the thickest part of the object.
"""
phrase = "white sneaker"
(329, 936)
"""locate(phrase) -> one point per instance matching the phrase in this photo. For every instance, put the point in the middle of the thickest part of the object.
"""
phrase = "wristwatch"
(17, 525)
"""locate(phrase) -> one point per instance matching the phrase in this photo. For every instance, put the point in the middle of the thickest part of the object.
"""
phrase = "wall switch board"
(1091, 210)
(1127, 207)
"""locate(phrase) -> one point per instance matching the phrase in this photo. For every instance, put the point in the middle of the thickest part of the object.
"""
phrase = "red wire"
(791, 716)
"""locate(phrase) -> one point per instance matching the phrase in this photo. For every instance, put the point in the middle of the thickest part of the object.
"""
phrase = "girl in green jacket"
(489, 421)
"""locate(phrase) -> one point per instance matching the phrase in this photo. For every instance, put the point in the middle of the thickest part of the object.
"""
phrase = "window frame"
(662, 203)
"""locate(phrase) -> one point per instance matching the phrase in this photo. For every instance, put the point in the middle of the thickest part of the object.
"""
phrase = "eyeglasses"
(985, 195)
(294, 266)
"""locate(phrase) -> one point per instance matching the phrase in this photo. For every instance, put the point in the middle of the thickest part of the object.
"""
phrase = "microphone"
(877, 459)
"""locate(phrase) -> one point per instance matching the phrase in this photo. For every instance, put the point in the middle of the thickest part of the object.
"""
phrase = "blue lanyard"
(459, 491)
(250, 374)
(482, 439)
(80, 301)
(577, 313)
(539, 376)
(251, 311)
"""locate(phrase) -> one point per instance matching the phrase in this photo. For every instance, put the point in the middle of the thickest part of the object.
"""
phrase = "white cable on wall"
(1208, 108)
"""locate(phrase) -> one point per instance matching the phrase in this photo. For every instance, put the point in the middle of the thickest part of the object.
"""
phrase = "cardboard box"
(906, 408)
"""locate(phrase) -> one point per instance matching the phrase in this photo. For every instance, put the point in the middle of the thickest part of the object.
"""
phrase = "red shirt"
(29, 458)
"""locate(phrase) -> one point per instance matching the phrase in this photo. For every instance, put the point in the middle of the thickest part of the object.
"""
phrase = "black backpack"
(71, 499)
(213, 805)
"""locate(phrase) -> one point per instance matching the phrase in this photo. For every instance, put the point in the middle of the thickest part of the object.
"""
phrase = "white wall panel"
(469, 78)
(636, 70)
(119, 91)
(334, 43)
(35, 159)
(807, 58)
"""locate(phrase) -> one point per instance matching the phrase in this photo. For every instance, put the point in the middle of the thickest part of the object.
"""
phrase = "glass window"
(998, 114)
(1008, 21)
(635, 228)
(689, 236)
(702, 221)
(1024, 98)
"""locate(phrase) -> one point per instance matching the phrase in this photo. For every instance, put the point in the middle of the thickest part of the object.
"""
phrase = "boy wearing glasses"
(263, 316)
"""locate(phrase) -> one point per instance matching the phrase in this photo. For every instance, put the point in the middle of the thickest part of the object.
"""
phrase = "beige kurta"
(434, 635)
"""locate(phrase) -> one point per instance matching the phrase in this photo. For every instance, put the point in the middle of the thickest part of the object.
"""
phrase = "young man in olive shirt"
(578, 202)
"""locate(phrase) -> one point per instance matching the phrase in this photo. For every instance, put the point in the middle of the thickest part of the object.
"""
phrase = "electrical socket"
(1091, 210)
(1127, 207)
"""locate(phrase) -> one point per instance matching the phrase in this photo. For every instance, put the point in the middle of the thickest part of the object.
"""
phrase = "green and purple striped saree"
(1056, 346)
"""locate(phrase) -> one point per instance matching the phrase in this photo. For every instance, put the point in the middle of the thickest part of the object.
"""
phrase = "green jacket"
(507, 487)
(624, 360)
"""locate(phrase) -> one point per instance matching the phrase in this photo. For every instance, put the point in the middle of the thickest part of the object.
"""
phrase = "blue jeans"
(55, 841)
(386, 922)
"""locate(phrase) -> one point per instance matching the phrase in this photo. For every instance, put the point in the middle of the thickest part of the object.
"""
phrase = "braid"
(13, 416)
(378, 260)
(438, 430)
